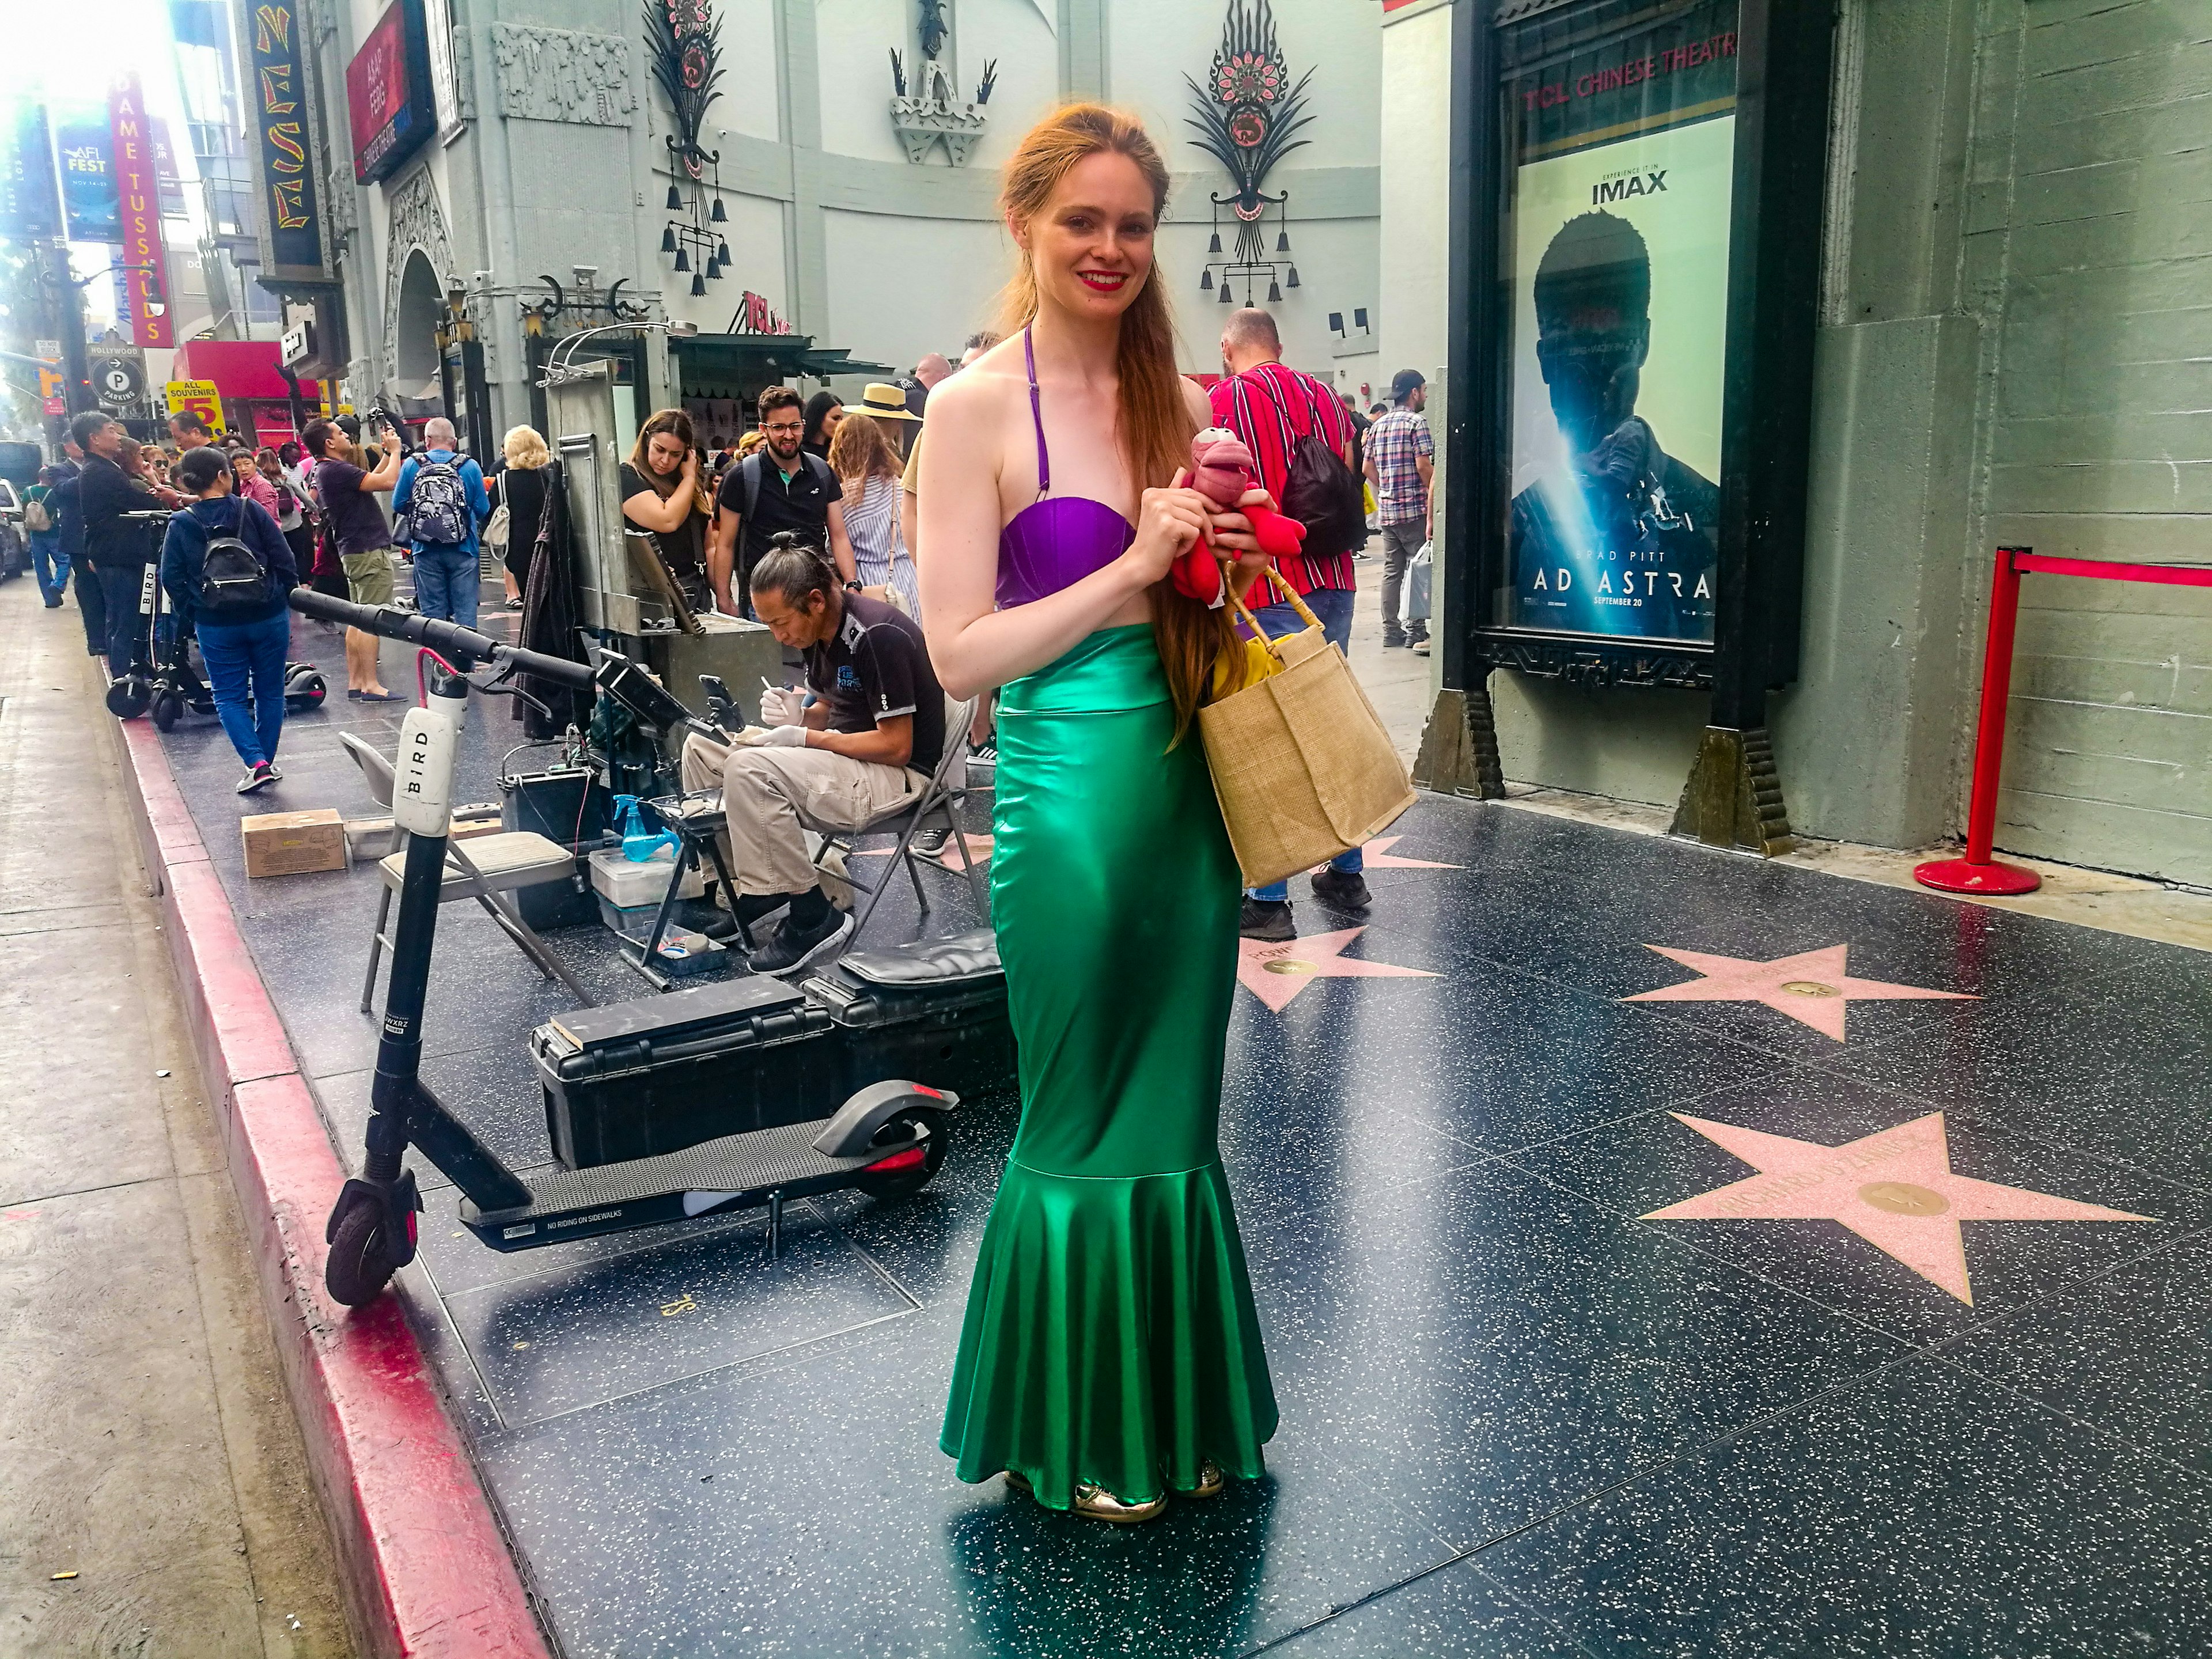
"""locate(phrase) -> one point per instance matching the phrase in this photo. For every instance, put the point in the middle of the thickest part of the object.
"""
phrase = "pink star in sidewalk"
(1377, 855)
(979, 850)
(1894, 1188)
(1276, 972)
(1811, 987)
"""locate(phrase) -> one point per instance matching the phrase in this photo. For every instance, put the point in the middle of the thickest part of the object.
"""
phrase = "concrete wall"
(827, 219)
(2013, 347)
(2099, 444)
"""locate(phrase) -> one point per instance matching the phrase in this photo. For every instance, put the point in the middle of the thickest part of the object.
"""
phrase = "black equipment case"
(566, 805)
(633, 1079)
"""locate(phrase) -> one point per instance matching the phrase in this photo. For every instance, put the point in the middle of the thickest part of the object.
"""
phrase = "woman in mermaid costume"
(1111, 1354)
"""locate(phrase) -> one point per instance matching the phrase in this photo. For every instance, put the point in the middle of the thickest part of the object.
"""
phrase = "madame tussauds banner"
(1620, 237)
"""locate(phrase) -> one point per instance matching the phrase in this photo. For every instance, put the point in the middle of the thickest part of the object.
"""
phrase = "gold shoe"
(1099, 1504)
(1211, 1480)
(1017, 1481)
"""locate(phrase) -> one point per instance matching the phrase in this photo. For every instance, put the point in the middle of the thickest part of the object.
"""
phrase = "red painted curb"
(426, 1570)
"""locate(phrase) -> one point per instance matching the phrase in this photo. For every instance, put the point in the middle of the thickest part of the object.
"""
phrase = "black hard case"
(636, 1079)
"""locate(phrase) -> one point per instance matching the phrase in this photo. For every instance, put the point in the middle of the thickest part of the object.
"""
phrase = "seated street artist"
(864, 745)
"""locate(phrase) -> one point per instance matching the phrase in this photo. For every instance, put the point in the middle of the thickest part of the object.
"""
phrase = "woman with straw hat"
(866, 463)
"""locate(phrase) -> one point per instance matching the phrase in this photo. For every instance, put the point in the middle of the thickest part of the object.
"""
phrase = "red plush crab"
(1221, 470)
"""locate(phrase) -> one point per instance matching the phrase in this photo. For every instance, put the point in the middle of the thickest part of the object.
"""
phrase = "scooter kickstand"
(776, 1225)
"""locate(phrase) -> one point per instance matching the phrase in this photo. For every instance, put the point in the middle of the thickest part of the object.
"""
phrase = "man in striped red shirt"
(1270, 405)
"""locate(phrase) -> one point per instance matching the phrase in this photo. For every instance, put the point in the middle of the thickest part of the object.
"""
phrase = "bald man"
(1273, 408)
(441, 495)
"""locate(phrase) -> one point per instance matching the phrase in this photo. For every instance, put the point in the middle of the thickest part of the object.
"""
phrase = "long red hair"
(1153, 425)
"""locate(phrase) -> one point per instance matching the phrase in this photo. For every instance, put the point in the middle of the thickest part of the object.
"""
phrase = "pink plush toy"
(1221, 470)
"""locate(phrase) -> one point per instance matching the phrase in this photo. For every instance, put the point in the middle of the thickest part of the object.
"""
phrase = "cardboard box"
(293, 843)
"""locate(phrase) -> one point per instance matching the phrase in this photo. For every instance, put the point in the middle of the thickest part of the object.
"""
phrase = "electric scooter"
(163, 683)
(887, 1139)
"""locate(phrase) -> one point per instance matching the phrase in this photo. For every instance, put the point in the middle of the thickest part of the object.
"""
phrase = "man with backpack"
(229, 569)
(441, 495)
(1301, 448)
(776, 488)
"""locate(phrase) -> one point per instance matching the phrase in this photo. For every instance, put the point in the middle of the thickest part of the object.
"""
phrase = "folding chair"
(941, 798)
(486, 869)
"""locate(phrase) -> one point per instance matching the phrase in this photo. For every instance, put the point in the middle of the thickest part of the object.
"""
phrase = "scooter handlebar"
(464, 646)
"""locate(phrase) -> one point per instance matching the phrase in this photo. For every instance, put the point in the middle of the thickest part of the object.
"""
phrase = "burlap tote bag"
(1301, 763)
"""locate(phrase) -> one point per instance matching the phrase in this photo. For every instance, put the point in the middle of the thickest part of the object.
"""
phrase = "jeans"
(238, 654)
(1400, 543)
(92, 608)
(51, 565)
(126, 629)
(447, 583)
(1333, 606)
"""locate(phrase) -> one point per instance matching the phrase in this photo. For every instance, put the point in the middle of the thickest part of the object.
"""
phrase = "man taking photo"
(352, 519)
(778, 487)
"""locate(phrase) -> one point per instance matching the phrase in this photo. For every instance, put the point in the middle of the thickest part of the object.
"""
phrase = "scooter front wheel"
(361, 1262)
(169, 709)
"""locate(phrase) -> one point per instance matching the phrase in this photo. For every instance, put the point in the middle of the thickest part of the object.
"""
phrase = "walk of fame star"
(1276, 972)
(1811, 987)
(1894, 1188)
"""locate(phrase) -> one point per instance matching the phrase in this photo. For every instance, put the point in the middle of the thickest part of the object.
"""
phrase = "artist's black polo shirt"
(800, 502)
(875, 668)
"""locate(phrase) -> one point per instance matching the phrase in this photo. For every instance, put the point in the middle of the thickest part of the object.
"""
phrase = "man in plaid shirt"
(1270, 405)
(1401, 464)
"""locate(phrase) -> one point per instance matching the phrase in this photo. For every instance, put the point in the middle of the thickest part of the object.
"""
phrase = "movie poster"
(84, 144)
(1619, 232)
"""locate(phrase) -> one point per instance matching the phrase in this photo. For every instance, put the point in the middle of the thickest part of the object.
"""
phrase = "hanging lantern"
(1225, 300)
(715, 212)
(1291, 281)
(722, 253)
(1274, 294)
(683, 260)
(1213, 244)
(698, 285)
(1206, 281)
(668, 239)
(714, 268)
(1282, 241)
(675, 201)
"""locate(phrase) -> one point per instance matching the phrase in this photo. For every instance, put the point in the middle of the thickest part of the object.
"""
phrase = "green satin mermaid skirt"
(1110, 1336)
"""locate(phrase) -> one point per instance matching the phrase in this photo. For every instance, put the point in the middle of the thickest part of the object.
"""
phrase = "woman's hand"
(1231, 532)
(1168, 522)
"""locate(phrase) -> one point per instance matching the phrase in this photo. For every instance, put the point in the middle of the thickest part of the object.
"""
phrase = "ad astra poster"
(1620, 236)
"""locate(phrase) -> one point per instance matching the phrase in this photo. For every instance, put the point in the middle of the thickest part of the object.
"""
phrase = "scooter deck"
(737, 1172)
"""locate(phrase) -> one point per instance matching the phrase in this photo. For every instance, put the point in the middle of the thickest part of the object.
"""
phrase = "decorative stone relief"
(559, 75)
(416, 221)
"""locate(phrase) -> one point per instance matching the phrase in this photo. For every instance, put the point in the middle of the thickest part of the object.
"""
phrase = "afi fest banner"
(1619, 234)
(138, 198)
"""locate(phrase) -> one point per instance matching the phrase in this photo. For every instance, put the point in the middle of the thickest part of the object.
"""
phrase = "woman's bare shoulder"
(1195, 402)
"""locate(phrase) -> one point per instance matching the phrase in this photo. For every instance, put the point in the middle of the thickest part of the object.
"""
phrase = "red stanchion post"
(1977, 873)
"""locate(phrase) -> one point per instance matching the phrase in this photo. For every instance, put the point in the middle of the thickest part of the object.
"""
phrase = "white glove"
(782, 706)
(784, 737)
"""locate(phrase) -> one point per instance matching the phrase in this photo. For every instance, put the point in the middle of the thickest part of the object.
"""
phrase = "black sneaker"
(985, 753)
(929, 843)
(794, 949)
(1268, 919)
(1393, 639)
(258, 778)
(1341, 890)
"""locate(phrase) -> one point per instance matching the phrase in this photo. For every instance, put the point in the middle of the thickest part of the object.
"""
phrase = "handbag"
(496, 528)
(1302, 764)
(1318, 491)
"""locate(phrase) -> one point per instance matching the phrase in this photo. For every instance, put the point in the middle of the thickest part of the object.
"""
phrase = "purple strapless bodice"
(1056, 543)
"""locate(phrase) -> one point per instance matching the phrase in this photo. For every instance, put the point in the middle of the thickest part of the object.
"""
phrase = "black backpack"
(1320, 491)
(232, 575)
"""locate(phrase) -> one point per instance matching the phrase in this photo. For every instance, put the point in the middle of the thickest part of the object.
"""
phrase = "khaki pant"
(772, 796)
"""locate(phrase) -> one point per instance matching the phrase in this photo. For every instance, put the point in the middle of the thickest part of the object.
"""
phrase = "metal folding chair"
(486, 869)
(941, 799)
